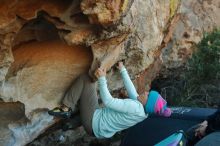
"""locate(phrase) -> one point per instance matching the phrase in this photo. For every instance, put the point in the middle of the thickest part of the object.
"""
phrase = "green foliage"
(205, 63)
(203, 72)
(199, 84)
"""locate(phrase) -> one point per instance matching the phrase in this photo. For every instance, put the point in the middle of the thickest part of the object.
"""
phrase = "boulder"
(45, 45)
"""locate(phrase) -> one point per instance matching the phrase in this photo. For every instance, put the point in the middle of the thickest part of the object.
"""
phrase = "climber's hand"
(120, 65)
(200, 132)
(100, 72)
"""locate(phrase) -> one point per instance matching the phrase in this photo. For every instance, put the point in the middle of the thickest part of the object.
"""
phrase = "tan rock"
(9, 112)
(40, 67)
(195, 19)
(106, 53)
(50, 65)
(39, 77)
(79, 36)
(28, 9)
(104, 12)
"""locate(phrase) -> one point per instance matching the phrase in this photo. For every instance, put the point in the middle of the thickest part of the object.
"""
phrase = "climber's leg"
(88, 103)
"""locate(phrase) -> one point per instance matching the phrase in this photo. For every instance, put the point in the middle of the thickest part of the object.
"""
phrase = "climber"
(117, 114)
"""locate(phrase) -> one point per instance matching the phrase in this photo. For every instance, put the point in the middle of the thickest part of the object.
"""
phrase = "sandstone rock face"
(106, 52)
(29, 75)
(10, 111)
(196, 18)
(104, 12)
(39, 77)
(45, 45)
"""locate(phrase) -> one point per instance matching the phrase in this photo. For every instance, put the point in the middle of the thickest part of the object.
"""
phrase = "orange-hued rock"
(43, 71)
(28, 9)
(104, 12)
(36, 67)
(107, 52)
(38, 78)
(79, 36)
(15, 13)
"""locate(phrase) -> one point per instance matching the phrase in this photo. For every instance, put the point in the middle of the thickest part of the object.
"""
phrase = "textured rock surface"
(45, 45)
(196, 18)
(11, 111)
(105, 12)
(106, 52)
(42, 71)
(39, 77)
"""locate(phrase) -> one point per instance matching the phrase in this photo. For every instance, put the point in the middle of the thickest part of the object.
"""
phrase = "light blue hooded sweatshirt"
(118, 114)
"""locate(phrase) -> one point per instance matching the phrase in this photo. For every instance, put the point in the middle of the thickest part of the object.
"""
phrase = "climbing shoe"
(61, 112)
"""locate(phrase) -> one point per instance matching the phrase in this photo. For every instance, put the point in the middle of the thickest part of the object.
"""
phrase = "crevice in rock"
(44, 67)
(36, 30)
